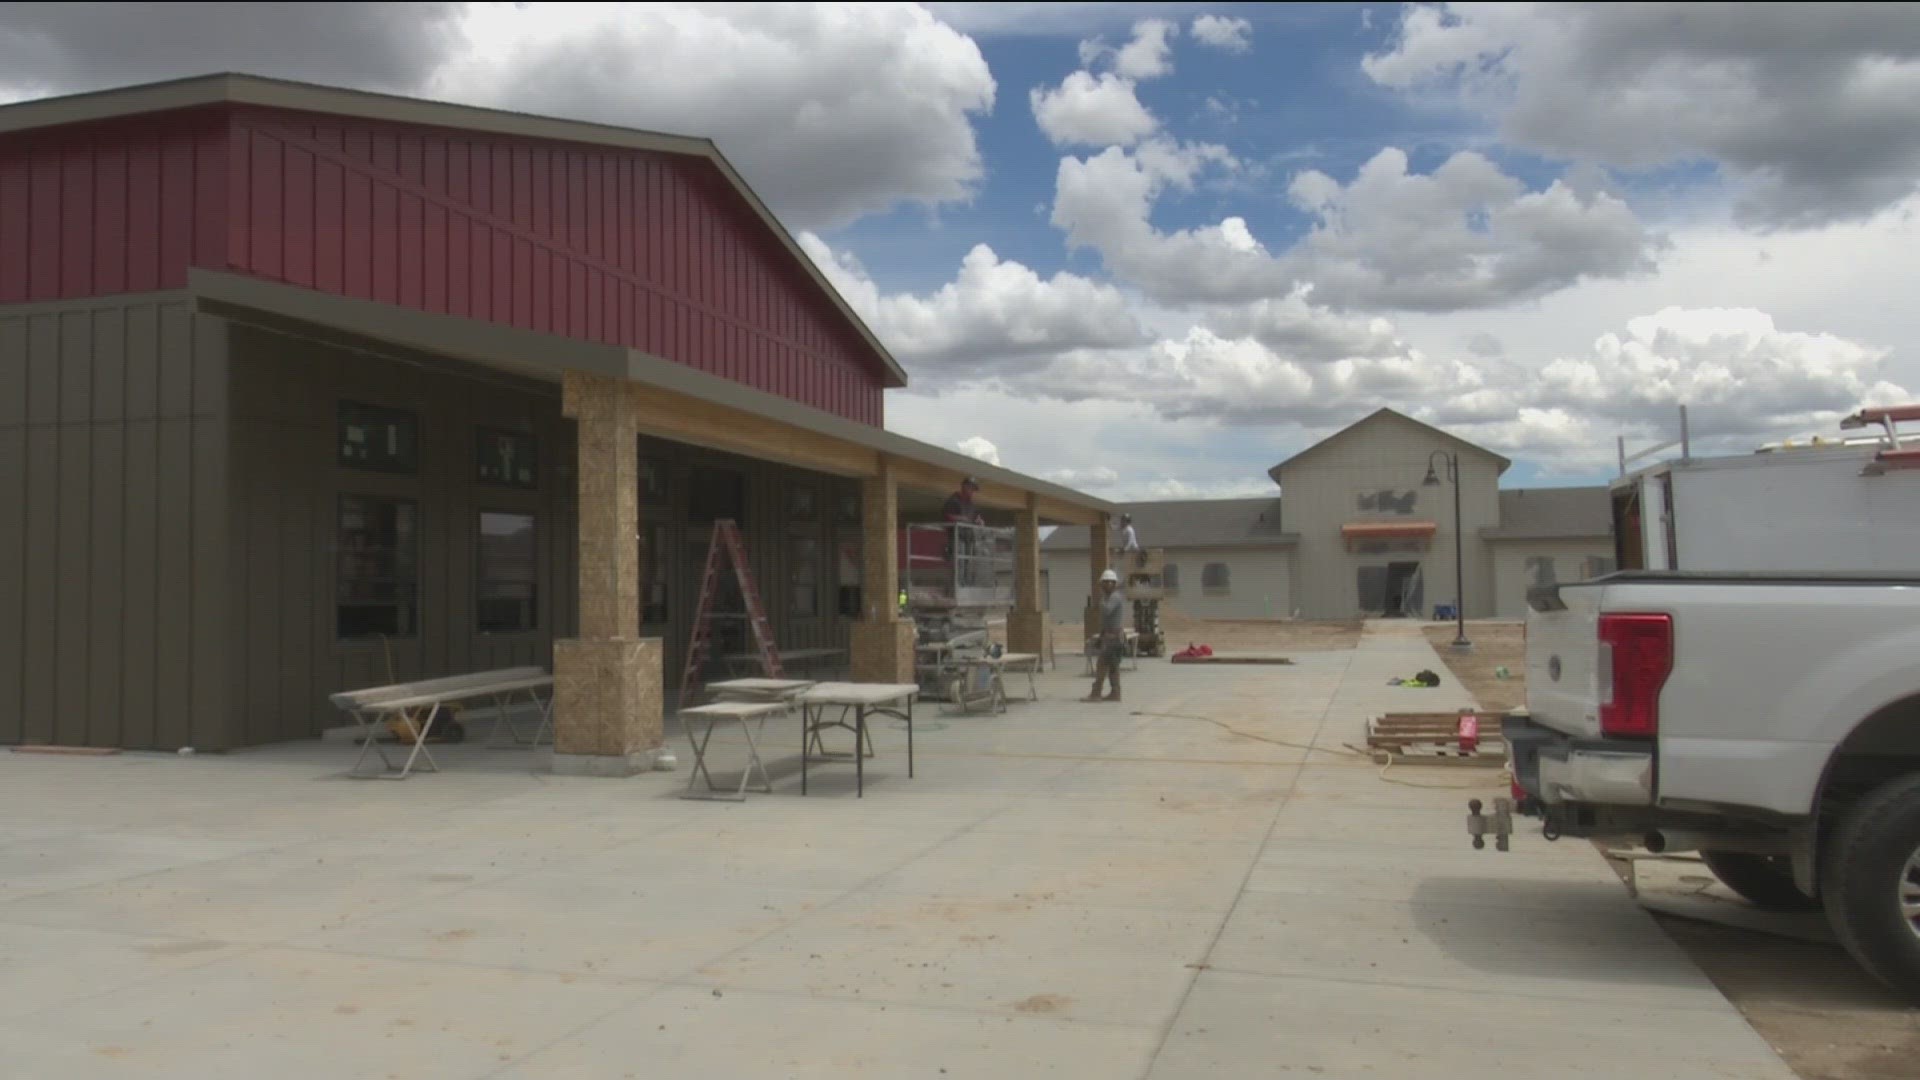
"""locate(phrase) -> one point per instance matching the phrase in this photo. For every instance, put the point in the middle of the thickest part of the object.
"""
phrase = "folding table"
(716, 713)
(373, 707)
(887, 699)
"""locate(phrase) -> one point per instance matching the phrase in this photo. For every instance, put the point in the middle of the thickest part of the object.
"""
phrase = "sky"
(1149, 250)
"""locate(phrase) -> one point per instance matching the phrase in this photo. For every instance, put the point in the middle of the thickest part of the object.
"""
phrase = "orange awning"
(1388, 530)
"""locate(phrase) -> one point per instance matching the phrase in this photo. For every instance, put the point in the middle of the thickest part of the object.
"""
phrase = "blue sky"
(1220, 232)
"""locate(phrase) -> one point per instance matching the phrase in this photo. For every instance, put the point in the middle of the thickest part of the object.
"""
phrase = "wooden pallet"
(1436, 736)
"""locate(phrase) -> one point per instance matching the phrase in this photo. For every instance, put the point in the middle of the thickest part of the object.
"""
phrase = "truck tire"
(1763, 880)
(1870, 881)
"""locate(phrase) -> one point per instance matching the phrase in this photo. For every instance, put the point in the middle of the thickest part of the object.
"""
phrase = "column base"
(606, 706)
(882, 651)
(1027, 631)
(640, 761)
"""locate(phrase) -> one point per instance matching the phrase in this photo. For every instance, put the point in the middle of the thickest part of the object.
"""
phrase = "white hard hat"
(1110, 576)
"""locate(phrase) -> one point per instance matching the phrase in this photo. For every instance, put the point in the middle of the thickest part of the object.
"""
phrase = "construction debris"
(1452, 737)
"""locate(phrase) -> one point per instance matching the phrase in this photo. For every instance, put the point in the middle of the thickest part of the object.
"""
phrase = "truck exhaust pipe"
(1673, 841)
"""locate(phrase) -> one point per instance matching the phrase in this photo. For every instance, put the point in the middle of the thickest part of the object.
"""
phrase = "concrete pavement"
(1066, 889)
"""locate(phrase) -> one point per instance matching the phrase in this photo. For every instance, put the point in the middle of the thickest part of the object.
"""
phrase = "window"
(806, 579)
(509, 574)
(802, 505)
(1540, 569)
(377, 439)
(1170, 579)
(377, 592)
(1213, 579)
(653, 482)
(507, 459)
(851, 573)
(653, 574)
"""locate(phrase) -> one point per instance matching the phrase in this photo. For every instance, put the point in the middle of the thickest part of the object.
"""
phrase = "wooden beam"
(1055, 512)
(681, 418)
(924, 477)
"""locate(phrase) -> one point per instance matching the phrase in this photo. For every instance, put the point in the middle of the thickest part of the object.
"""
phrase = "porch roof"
(687, 405)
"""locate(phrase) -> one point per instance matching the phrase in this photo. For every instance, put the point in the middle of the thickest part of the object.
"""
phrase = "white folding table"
(745, 713)
(759, 689)
(888, 699)
(373, 707)
(1026, 662)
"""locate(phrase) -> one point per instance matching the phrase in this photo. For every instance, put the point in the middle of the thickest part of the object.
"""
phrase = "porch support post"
(607, 681)
(1026, 624)
(881, 643)
(1097, 564)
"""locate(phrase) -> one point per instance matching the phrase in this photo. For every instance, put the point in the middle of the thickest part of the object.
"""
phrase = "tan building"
(1364, 525)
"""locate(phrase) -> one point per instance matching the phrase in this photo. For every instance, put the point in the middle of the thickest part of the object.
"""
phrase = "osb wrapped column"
(880, 645)
(607, 682)
(1097, 555)
(1026, 624)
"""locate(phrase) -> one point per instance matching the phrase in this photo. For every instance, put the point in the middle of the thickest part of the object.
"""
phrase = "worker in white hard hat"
(1112, 639)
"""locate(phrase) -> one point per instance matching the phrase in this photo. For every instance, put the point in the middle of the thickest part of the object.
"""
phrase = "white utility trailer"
(1826, 505)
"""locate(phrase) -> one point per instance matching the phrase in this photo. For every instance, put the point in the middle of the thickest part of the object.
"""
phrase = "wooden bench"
(420, 703)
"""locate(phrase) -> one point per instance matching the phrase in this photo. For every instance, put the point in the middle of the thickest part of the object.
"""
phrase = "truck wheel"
(1871, 883)
(1763, 880)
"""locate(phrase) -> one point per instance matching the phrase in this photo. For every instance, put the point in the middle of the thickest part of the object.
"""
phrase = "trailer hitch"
(1500, 823)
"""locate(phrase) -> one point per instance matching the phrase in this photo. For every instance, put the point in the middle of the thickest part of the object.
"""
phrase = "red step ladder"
(726, 540)
(1895, 455)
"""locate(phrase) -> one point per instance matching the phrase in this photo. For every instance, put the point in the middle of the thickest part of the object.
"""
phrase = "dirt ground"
(1828, 1019)
(1497, 646)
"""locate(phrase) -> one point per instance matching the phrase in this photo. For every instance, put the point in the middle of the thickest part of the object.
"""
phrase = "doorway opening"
(1405, 589)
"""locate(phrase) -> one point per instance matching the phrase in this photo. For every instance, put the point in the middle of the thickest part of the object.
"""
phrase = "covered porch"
(634, 553)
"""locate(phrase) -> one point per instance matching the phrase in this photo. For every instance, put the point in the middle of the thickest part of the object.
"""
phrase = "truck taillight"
(1637, 653)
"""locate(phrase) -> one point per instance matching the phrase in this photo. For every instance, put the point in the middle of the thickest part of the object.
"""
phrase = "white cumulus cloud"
(1814, 109)
(1223, 32)
(787, 91)
(1464, 236)
(1149, 54)
(1094, 110)
(979, 449)
(993, 314)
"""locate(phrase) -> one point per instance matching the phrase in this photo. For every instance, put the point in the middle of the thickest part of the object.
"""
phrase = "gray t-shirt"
(1113, 614)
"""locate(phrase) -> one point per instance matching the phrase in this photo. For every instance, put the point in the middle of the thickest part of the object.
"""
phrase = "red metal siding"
(649, 251)
(116, 207)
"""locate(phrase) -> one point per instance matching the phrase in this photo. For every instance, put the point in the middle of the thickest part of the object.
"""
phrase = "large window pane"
(654, 571)
(508, 599)
(806, 579)
(378, 590)
(507, 458)
(377, 439)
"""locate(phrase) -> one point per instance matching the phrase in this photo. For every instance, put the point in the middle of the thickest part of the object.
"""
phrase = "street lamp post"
(1460, 642)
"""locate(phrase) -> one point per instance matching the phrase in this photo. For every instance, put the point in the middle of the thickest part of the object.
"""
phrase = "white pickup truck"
(1769, 721)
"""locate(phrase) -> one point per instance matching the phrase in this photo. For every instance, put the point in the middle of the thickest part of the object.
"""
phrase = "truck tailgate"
(1563, 658)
